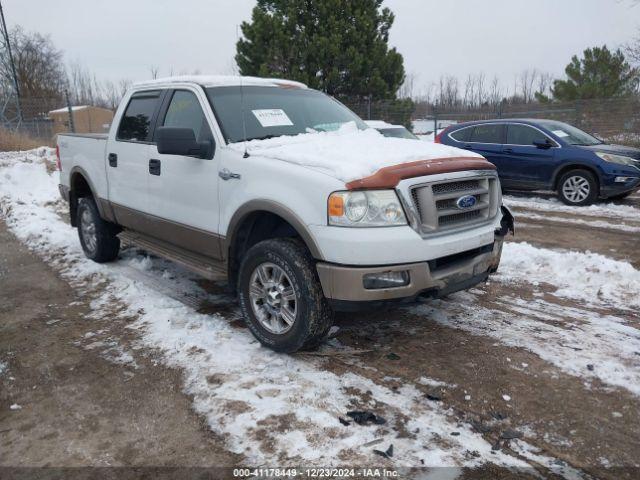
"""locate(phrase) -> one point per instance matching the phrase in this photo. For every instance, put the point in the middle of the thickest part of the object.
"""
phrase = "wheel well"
(79, 188)
(254, 228)
(568, 168)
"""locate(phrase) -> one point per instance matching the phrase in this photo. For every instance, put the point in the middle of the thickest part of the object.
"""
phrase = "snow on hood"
(348, 153)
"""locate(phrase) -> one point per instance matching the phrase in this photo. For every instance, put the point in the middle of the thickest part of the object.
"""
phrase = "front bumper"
(344, 286)
(611, 188)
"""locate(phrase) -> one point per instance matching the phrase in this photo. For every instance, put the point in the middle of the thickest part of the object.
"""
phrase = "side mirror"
(543, 145)
(182, 141)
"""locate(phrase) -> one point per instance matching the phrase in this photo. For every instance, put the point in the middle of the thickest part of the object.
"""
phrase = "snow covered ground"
(581, 311)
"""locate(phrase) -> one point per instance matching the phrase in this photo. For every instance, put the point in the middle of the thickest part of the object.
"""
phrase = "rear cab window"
(136, 124)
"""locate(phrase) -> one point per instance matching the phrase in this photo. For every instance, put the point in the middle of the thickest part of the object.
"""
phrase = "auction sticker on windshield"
(560, 133)
(272, 117)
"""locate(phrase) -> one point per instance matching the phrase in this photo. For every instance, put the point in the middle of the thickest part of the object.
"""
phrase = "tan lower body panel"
(346, 283)
(193, 239)
(207, 267)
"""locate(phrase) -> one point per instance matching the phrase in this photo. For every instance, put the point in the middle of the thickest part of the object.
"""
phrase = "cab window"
(184, 111)
(135, 125)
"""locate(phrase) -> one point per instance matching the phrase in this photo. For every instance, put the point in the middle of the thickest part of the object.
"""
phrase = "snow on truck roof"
(222, 81)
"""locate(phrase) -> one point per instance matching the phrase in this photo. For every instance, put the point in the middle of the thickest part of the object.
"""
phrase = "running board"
(207, 267)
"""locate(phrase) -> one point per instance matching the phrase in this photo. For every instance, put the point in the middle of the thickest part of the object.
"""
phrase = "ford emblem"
(465, 202)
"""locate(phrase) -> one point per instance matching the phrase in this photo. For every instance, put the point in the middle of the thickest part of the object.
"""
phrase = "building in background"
(86, 119)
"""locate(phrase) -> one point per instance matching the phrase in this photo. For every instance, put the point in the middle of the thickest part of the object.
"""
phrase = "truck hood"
(351, 155)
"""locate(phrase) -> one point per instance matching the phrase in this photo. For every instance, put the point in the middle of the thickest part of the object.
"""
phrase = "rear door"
(487, 139)
(128, 155)
(529, 165)
(183, 190)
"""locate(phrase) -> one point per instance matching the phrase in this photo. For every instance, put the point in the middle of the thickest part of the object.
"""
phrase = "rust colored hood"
(389, 177)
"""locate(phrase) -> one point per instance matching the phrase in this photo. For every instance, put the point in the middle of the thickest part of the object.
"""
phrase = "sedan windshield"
(396, 132)
(273, 112)
(569, 133)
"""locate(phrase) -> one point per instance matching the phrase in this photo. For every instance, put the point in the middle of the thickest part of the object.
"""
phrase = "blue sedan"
(550, 155)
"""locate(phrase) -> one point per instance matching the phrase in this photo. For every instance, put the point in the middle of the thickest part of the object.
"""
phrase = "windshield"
(272, 112)
(396, 132)
(570, 134)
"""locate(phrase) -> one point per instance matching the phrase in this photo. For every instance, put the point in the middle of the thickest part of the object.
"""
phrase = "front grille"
(439, 206)
(458, 218)
(455, 186)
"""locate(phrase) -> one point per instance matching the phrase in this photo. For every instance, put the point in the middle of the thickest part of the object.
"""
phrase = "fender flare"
(571, 165)
(269, 206)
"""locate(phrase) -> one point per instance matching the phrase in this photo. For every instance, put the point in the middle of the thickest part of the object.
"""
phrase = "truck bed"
(84, 153)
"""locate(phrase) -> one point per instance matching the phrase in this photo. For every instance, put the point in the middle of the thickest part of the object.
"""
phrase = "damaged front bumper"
(345, 286)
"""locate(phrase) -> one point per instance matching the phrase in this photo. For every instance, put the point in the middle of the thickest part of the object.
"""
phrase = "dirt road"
(71, 406)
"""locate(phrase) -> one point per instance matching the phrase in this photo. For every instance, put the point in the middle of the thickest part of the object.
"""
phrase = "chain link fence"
(614, 120)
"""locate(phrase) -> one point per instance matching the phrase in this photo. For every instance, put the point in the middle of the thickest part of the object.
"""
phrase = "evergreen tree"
(337, 46)
(599, 74)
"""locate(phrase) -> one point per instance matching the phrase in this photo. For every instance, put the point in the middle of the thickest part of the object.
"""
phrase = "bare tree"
(38, 63)
(632, 49)
(154, 70)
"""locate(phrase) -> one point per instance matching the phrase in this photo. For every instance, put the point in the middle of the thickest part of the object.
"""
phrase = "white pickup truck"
(286, 193)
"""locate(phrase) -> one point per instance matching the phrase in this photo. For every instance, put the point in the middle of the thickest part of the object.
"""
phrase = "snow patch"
(348, 153)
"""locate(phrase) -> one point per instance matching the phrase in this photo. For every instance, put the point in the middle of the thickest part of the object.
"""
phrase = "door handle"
(113, 160)
(507, 150)
(467, 147)
(227, 174)
(154, 166)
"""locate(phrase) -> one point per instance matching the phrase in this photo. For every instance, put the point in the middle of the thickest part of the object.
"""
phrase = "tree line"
(338, 47)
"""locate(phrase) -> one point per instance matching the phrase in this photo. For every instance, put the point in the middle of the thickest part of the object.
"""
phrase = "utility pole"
(7, 43)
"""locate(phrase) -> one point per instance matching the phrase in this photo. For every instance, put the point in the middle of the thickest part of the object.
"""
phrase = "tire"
(281, 297)
(98, 238)
(578, 188)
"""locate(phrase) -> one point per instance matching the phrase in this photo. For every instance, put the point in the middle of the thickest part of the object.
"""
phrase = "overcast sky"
(123, 39)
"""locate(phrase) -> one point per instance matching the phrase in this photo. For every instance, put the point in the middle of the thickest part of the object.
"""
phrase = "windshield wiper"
(264, 137)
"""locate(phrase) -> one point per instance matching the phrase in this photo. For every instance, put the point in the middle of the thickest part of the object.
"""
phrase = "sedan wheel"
(576, 189)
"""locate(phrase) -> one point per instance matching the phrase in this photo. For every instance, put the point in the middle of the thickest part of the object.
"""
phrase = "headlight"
(619, 159)
(372, 208)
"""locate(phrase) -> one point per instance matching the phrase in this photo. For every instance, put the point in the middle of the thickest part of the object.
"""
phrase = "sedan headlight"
(619, 159)
(371, 208)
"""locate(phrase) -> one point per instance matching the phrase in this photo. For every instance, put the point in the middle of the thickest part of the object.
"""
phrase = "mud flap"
(507, 224)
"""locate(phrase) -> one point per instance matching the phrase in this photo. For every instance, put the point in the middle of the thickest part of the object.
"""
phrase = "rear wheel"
(98, 238)
(578, 187)
(281, 296)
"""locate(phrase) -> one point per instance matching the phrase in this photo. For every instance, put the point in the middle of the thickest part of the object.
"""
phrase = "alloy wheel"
(88, 230)
(273, 298)
(576, 189)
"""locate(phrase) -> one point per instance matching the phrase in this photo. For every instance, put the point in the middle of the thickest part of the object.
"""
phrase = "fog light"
(374, 281)
(624, 179)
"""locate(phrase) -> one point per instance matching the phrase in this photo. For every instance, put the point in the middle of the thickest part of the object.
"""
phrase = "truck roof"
(221, 80)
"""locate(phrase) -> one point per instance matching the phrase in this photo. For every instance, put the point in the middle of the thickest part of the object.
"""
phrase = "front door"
(526, 162)
(183, 190)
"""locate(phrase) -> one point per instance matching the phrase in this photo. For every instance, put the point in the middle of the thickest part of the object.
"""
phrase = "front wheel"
(578, 188)
(281, 296)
